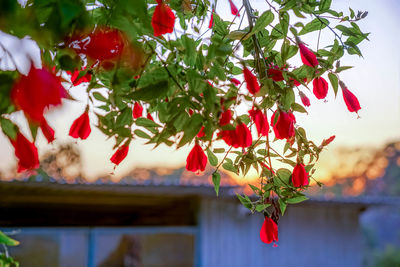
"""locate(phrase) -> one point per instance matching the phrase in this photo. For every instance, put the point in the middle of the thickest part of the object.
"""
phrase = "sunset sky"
(375, 80)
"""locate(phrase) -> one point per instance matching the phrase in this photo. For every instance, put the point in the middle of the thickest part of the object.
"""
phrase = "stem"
(330, 28)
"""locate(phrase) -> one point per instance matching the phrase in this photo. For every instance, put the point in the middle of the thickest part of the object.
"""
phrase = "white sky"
(374, 80)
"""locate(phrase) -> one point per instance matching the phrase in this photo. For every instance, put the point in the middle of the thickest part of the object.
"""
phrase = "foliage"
(5, 259)
(186, 81)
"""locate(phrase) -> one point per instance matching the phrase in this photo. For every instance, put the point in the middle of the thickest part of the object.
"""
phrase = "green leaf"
(288, 99)
(245, 201)
(283, 176)
(282, 206)
(7, 240)
(315, 25)
(192, 129)
(125, 118)
(142, 134)
(238, 35)
(229, 167)
(9, 128)
(324, 5)
(219, 150)
(216, 179)
(99, 97)
(334, 82)
(297, 199)
(263, 21)
(212, 158)
(298, 108)
(146, 122)
(261, 207)
(151, 92)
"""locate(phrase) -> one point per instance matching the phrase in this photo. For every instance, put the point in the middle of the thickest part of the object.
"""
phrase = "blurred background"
(150, 212)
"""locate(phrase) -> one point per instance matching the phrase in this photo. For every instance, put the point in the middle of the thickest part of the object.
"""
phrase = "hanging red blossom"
(269, 231)
(225, 118)
(102, 44)
(120, 154)
(304, 99)
(197, 160)
(137, 111)
(83, 79)
(350, 99)
(320, 87)
(234, 9)
(210, 25)
(201, 132)
(299, 176)
(275, 74)
(80, 128)
(260, 120)
(251, 81)
(243, 136)
(307, 56)
(47, 131)
(284, 126)
(163, 19)
(26, 152)
(36, 92)
(235, 81)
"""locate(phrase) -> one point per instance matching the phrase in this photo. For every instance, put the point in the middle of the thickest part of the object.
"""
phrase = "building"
(162, 225)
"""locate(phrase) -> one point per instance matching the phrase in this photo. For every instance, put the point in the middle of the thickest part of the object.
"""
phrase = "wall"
(309, 235)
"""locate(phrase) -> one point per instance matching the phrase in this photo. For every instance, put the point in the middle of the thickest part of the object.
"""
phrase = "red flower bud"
(120, 154)
(36, 92)
(26, 152)
(269, 231)
(137, 111)
(284, 126)
(210, 25)
(163, 19)
(196, 161)
(307, 56)
(190, 112)
(326, 142)
(320, 87)
(235, 81)
(260, 120)
(47, 131)
(299, 176)
(251, 81)
(350, 99)
(80, 128)
(201, 133)
(304, 99)
(225, 118)
(234, 9)
(150, 117)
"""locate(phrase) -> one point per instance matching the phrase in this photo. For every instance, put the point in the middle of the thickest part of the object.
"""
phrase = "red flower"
(307, 56)
(299, 176)
(120, 154)
(190, 112)
(229, 136)
(211, 20)
(235, 81)
(269, 231)
(251, 81)
(102, 44)
(47, 131)
(284, 126)
(242, 136)
(260, 120)
(304, 99)
(150, 117)
(234, 9)
(201, 133)
(275, 74)
(36, 92)
(80, 128)
(137, 110)
(320, 87)
(350, 99)
(196, 161)
(225, 118)
(163, 19)
(326, 142)
(26, 152)
(83, 79)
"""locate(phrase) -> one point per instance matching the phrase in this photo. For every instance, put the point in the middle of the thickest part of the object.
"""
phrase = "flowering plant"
(174, 73)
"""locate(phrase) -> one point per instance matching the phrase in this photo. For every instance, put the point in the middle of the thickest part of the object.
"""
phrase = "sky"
(375, 80)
